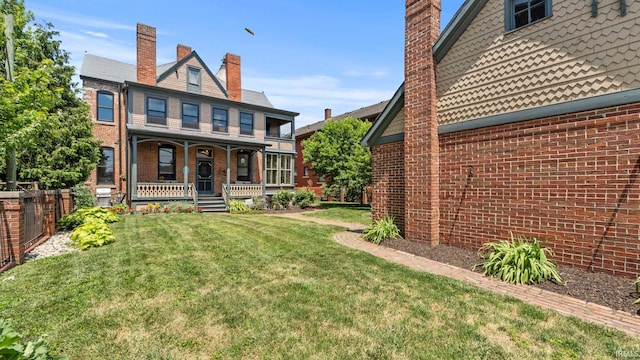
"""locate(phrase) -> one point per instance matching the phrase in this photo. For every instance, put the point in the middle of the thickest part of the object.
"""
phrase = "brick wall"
(573, 180)
(388, 182)
(146, 54)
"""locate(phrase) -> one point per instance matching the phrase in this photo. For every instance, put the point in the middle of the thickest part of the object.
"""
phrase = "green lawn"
(359, 214)
(198, 286)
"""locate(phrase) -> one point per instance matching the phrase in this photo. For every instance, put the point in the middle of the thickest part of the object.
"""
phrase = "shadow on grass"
(335, 204)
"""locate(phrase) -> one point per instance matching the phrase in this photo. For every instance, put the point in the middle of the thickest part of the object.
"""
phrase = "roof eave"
(386, 116)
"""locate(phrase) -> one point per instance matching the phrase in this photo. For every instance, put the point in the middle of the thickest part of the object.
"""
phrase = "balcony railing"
(163, 190)
(241, 190)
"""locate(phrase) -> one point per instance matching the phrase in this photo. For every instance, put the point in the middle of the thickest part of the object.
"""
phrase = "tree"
(335, 152)
(42, 116)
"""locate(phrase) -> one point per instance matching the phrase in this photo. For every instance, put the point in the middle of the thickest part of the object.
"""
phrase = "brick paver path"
(563, 304)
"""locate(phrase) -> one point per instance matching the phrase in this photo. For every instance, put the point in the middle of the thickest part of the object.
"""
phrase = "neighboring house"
(178, 131)
(305, 178)
(523, 117)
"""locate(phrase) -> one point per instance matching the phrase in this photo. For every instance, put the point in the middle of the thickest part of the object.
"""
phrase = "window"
(105, 166)
(193, 79)
(166, 162)
(279, 169)
(272, 169)
(190, 116)
(243, 166)
(246, 123)
(520, 13)
(220, 120)
(306, 172)
(156, 111)
(321, 179)
(285, 169)
(105, 106)
(278, 128)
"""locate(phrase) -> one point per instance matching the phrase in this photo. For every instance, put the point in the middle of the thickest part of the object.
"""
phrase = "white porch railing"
(163, 190)
(241, 190)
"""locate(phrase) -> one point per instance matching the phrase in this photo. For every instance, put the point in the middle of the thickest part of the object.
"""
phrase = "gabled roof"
(361, 113)
(384, 119)
(456, 27)
(183, 61)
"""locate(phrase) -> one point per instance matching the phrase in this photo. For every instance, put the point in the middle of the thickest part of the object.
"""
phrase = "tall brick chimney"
(421, 148)
(327, 114)
(182, 51)
(146, 54)
(234, 83)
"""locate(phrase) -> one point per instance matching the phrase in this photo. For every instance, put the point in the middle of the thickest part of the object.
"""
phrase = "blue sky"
(305, 55)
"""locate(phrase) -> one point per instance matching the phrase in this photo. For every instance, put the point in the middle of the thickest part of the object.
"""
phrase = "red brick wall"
(234, 81)
(146, 54)
(573, 180)
(388, 182)
(309, 182)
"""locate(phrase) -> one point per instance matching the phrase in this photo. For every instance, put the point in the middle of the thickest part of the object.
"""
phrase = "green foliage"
(330, 190)
(120, 209)
(282, 198)
(11, 348)
(82, 197)
(178, 207)
(258, 203)
(73, 220)
(304, 198)
(519, 261)
(237, 206)
(637, 284)
(335, 152)
(93, 232)
(381, 230)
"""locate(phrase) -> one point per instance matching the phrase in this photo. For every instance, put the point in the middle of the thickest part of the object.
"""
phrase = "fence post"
(49, 213)
(66, 202)
(13, 206)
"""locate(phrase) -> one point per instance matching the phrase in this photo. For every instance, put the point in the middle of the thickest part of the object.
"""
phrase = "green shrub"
(120, 208)
(332, 191)
(237, 206)
(97, 212)
(637, 284)
(282, 198)
(381, 230)
(179, 207)
(258, 203)
(93, 232)
(11, 348)
(519, 261)
(303, 198)
(71, 221)
(82, 197)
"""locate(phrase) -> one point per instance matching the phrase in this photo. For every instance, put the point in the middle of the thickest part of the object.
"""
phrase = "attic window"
(193, 79)
(520, 13)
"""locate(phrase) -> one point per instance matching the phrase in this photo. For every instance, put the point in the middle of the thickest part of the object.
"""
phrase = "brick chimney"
(234, 83)
(182, 51)
(327, 114)
(146, 54)
(421, 148)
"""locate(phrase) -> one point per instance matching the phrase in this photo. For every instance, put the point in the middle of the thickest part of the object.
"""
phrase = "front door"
(205, 176)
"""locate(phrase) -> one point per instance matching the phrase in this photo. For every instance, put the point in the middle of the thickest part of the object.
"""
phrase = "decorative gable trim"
(456, 27)
(395, 105)
(181, 63)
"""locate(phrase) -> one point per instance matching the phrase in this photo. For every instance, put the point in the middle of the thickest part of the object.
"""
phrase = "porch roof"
(172, 134)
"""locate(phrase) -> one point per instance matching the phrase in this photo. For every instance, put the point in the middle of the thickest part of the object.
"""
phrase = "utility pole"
(11, 151)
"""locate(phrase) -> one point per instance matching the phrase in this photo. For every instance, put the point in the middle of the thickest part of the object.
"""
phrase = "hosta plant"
(519, 261)
(92, 233)
(381, 230)
(237, 206)
(11, 346)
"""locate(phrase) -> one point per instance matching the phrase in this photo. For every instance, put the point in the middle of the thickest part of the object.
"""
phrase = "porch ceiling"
(181, 135)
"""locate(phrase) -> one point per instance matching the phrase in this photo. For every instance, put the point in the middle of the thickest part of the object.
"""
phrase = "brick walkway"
(563, 304)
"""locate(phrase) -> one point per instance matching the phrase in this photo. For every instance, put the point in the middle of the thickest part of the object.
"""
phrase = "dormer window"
(520, 13)
(193, 79)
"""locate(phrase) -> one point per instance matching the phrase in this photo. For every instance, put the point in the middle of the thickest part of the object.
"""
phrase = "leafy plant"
(282, 198)
(381, 230)
(179, 206)
(637, 284)
(11, 348)
(82, 197)
(303, 198)
(92, 233)
(237, 206)
(330, 191)
(258, 203)
(72, 221)
(519, 261)
(120, 208)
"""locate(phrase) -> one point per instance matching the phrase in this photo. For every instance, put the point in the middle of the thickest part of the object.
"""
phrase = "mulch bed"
(608, 290)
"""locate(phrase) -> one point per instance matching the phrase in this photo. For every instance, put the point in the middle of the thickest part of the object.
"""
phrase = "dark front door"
(205, 176)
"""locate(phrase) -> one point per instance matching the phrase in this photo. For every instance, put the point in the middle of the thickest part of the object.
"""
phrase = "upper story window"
(190, 116)
(105, 166)
(166, 162)
(278, 128)
(246, 123)
(193, 79)
(105, 106)
(156, 111)
(220, 120)
(520, 13)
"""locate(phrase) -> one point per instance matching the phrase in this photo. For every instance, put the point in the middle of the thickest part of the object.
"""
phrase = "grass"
(358, 214)
(198, 286)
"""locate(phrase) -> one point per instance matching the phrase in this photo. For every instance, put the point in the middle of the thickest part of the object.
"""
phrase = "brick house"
(304, 176)
(178, 131)
(521, 116)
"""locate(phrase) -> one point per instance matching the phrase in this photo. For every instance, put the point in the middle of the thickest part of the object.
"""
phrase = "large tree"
(42, 117)
(335, 152)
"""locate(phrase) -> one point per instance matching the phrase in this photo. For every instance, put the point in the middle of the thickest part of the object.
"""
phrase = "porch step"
(210, 203)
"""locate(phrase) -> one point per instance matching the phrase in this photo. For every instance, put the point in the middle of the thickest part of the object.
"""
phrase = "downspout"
(594, 8)
(623, 7)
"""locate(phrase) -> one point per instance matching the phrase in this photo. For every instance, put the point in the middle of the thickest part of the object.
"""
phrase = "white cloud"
(77, 19)
(96, 34)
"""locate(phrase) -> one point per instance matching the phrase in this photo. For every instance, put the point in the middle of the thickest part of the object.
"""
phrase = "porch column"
(133, 181)
(185, 169)
(229, 171)
(264, 171)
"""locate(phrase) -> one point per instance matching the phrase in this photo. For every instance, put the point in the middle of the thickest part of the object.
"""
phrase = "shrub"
(258, 203)
(93, 232)
(179, 207)
(332, 191)
(237, 206)
(11, 348)
(519, 261)
(282, 198)
(120, 208)
(72, 221)
(303, 198)
(82, 197)
(381, 230)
